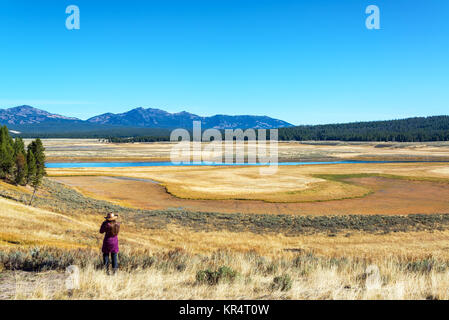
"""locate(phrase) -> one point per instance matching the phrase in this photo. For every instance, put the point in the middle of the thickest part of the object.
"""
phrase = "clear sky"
(305, 62)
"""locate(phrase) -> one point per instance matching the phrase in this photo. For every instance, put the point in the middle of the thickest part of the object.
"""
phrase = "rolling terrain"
(155, 124)
(36, 245)
(228, 233)
(30, 121)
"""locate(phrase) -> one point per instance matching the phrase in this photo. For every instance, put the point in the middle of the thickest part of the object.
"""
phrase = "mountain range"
(29, 119)
(155, 125)
(156, 118)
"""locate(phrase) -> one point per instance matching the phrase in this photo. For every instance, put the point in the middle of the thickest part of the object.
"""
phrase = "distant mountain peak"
(29, 115)
(157, 118)
(22, 116)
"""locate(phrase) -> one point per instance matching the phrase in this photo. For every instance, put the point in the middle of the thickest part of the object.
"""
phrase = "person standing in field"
(110, 227)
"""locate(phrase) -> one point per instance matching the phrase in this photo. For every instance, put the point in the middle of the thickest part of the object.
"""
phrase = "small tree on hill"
(21, 166)
(36, 165)
(6, 153)
(21, 169)
(38, 151)
(31, 164)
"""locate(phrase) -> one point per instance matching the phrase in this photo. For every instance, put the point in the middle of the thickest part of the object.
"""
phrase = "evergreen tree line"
(73, 132)
(418, 129)
(19, 165)
(136, 139)
(407, 130)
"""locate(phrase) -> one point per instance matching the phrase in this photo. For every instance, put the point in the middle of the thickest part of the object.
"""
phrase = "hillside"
(417, 129)
(136, 122)
(155, 124)
(155, 118)
(38, 245)
(23, 115)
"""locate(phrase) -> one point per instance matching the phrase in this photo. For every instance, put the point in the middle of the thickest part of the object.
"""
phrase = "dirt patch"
(389, 197)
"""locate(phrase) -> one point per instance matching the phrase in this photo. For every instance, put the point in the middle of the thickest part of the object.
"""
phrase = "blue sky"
(305, 62)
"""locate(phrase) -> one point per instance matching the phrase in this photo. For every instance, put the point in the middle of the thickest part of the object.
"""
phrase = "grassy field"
(179, 263)
(67, 150)
(215, 183)
(358, 231)
(367, 188)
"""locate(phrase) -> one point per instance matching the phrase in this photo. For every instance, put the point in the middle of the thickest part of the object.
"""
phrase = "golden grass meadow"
(337, 231)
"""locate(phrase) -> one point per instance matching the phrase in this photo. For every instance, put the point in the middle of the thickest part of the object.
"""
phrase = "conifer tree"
(37, 162)
(6, 153)
(20, 162)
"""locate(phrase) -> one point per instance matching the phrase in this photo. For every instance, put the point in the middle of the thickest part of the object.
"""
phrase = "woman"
(110, 228)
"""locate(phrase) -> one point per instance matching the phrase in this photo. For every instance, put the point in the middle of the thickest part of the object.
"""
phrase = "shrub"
(43, 259)
(271, 268)
(174, 260)
(223, 274)
(282, 283)
(426, 266)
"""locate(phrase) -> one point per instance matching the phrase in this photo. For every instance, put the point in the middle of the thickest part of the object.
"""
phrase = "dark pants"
(113, 258)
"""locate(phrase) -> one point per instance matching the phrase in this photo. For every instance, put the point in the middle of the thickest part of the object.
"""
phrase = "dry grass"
(413, 265)
(388, 195)
(306, 277)
(27, 226)
(289, 184)
(24, 226)
(62, 150)
(322, 265)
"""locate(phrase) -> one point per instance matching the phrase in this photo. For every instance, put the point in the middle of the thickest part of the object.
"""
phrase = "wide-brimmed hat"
(111, 216)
